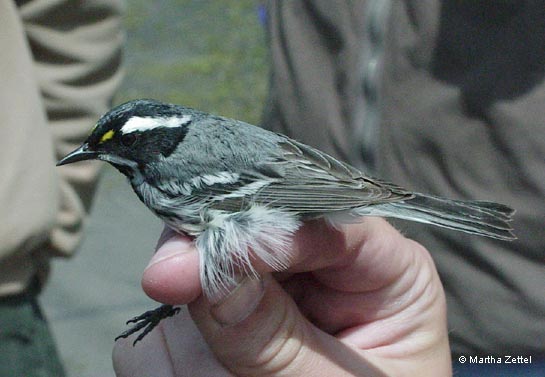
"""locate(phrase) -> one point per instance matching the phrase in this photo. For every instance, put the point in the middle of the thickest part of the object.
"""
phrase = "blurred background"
(201, 53)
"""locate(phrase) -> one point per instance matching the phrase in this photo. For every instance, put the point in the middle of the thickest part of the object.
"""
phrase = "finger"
(387, 274)
(342, 258)
(357, 257)
(317, 246)
(172, 276)
(190, 354)
(379, 257)
(334, 310)
(149, 358)
(258, 330)
(174, 349)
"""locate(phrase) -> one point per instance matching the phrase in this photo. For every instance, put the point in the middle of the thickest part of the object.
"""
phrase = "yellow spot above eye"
(107, 136)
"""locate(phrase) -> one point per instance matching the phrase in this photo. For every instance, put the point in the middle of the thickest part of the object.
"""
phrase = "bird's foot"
(148, 321)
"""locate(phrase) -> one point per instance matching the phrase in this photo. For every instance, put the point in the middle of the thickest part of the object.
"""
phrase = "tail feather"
(476, 217)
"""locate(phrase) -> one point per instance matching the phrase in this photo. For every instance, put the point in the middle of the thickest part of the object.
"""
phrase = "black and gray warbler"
(242, 191)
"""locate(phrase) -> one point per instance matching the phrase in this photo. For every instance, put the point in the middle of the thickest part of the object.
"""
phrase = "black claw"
(148, 321)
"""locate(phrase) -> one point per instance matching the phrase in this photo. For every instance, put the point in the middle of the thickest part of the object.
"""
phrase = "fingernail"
(240, 303)
(172, 247)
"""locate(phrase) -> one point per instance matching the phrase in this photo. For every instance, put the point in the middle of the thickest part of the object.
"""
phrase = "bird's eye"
(129, 139)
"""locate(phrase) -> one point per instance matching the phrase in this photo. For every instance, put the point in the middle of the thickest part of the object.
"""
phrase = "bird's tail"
(477, 217)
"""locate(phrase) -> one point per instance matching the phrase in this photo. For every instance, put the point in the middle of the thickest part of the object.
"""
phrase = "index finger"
(337, 255)
(355, 257)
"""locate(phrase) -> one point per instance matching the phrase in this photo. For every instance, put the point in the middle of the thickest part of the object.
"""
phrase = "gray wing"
(304, 180)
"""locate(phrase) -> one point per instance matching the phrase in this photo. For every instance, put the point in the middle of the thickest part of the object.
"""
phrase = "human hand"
(361, 301)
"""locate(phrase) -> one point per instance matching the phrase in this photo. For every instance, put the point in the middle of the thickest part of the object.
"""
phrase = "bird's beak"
(80, 154)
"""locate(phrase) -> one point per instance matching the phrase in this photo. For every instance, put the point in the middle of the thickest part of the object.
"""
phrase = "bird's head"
(134, 134)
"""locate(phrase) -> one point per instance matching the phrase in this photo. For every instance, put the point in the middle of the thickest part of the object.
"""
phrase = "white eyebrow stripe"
(136, 123)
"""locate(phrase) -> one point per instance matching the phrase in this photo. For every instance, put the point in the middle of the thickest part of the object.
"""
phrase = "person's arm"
(76, 47)
(364, 301)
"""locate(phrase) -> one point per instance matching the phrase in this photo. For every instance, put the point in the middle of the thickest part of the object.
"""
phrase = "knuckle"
(281, 352)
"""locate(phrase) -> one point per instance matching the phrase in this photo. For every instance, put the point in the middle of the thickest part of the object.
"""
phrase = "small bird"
(242, 191)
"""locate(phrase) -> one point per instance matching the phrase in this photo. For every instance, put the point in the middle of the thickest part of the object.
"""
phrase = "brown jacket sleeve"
(59, 70)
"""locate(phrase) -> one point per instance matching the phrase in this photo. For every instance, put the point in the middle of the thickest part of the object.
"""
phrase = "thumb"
(258, 330)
